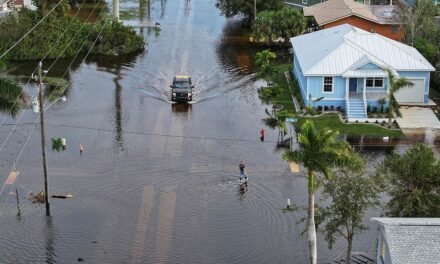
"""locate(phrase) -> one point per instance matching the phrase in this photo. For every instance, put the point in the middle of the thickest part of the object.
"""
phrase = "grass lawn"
(332, 121)
(284, 98)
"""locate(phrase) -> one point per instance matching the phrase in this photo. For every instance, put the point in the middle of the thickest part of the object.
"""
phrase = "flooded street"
(157, 182)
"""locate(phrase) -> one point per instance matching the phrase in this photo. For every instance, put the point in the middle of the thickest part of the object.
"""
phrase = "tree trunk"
(311, 219)
(348, 257)
(390, 110)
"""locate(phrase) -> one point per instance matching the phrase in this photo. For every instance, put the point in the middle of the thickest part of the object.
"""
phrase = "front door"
(353, 85)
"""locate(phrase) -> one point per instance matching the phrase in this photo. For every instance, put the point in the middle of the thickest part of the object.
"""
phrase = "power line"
(44, 57)
(50, 67)
(16, 43)
(30, 132)
(162, 135)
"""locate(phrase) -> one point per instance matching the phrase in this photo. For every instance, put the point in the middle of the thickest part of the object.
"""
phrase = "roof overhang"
(366, 73)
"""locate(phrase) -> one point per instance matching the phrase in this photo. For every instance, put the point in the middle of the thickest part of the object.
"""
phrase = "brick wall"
(384, 30)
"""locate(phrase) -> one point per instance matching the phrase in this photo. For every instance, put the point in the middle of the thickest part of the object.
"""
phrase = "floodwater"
(157, 182)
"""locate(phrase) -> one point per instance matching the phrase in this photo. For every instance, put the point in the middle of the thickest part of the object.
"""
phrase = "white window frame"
(323, 84)
(374, 82)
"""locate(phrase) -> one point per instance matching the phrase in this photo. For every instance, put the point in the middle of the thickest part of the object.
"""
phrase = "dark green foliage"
(231, 8)
(115, 38)
(285, 23)
(351, 194)
(267, 93)
(57, 144)
(12, 96)
(418, 21)
(414, 182)
(427, 49)
(263, 61)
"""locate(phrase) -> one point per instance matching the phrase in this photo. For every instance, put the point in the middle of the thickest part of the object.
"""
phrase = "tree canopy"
(414, 182)
(231, 8)
(284, 23)
(418, 21)
(351, 194)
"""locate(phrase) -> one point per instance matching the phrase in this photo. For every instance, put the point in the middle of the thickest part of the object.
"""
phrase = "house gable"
(370, 65)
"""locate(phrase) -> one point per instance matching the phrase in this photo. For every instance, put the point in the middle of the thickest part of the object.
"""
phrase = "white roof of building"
(412, 240)
(336, 50)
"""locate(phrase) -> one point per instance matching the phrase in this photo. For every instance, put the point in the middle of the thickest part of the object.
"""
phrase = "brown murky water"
(157, 182)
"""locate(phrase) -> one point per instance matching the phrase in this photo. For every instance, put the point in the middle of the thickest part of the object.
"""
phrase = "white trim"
(330, 99)
(323, 84)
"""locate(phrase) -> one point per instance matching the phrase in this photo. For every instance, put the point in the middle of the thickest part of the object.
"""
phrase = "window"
(374, 82)
(393, 29)
(328, 85)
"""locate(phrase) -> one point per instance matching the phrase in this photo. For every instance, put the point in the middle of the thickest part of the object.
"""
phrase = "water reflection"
(49, 235)
(181, 108)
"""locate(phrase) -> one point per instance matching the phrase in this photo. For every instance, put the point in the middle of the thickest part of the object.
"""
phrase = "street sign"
(291, 120)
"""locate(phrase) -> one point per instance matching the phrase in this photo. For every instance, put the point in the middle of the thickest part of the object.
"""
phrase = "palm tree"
(264, 57)
(381, 102)
(262, 60)
(395, 85)
(319, 152)
(12, 97)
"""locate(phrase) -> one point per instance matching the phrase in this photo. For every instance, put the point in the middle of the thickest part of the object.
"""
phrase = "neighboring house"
(303, 3)
(382, 19)
(346, 67)
(412, 2)
(7, 6)
(408, 240)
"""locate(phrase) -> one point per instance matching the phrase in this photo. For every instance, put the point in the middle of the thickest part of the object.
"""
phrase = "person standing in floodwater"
(242, 170)
(262, 134)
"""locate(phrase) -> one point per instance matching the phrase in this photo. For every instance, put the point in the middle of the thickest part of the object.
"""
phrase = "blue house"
(347, 67)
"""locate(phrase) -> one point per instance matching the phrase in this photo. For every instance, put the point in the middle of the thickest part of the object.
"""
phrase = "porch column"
(365, 94)
(347, 91)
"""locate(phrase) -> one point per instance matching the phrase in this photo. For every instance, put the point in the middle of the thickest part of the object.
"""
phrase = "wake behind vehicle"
(182, 89)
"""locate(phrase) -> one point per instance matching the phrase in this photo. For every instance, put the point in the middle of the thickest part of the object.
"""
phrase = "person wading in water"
(242, 170)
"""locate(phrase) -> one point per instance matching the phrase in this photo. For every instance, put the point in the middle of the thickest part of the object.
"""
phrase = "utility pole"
(43, 138)
(116, 9)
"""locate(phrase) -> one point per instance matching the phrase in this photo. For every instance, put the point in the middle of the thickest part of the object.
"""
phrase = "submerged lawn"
(332, 121)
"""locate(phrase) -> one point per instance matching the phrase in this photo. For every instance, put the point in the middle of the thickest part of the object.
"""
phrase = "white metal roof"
(365, 73)
(412, 240)
(335, 50)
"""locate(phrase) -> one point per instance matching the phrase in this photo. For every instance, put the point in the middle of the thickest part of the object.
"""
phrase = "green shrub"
(51, 38)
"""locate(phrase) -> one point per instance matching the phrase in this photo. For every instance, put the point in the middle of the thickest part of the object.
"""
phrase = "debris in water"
(36, 198)
(62, 196)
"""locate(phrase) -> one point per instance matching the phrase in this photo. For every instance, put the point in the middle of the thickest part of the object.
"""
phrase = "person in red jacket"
(262, 134)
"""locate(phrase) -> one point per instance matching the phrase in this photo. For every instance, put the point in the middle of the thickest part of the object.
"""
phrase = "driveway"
(417, 117)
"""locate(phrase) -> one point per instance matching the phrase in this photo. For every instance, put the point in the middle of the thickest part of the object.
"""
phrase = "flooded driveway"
(157, 182)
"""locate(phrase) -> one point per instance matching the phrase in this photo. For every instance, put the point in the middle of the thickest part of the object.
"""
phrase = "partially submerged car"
(182, 89)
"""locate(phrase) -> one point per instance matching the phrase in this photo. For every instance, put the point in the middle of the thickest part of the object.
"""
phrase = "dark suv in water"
(182, 89)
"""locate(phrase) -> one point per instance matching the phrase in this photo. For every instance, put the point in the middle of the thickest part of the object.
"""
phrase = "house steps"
(356, 110)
